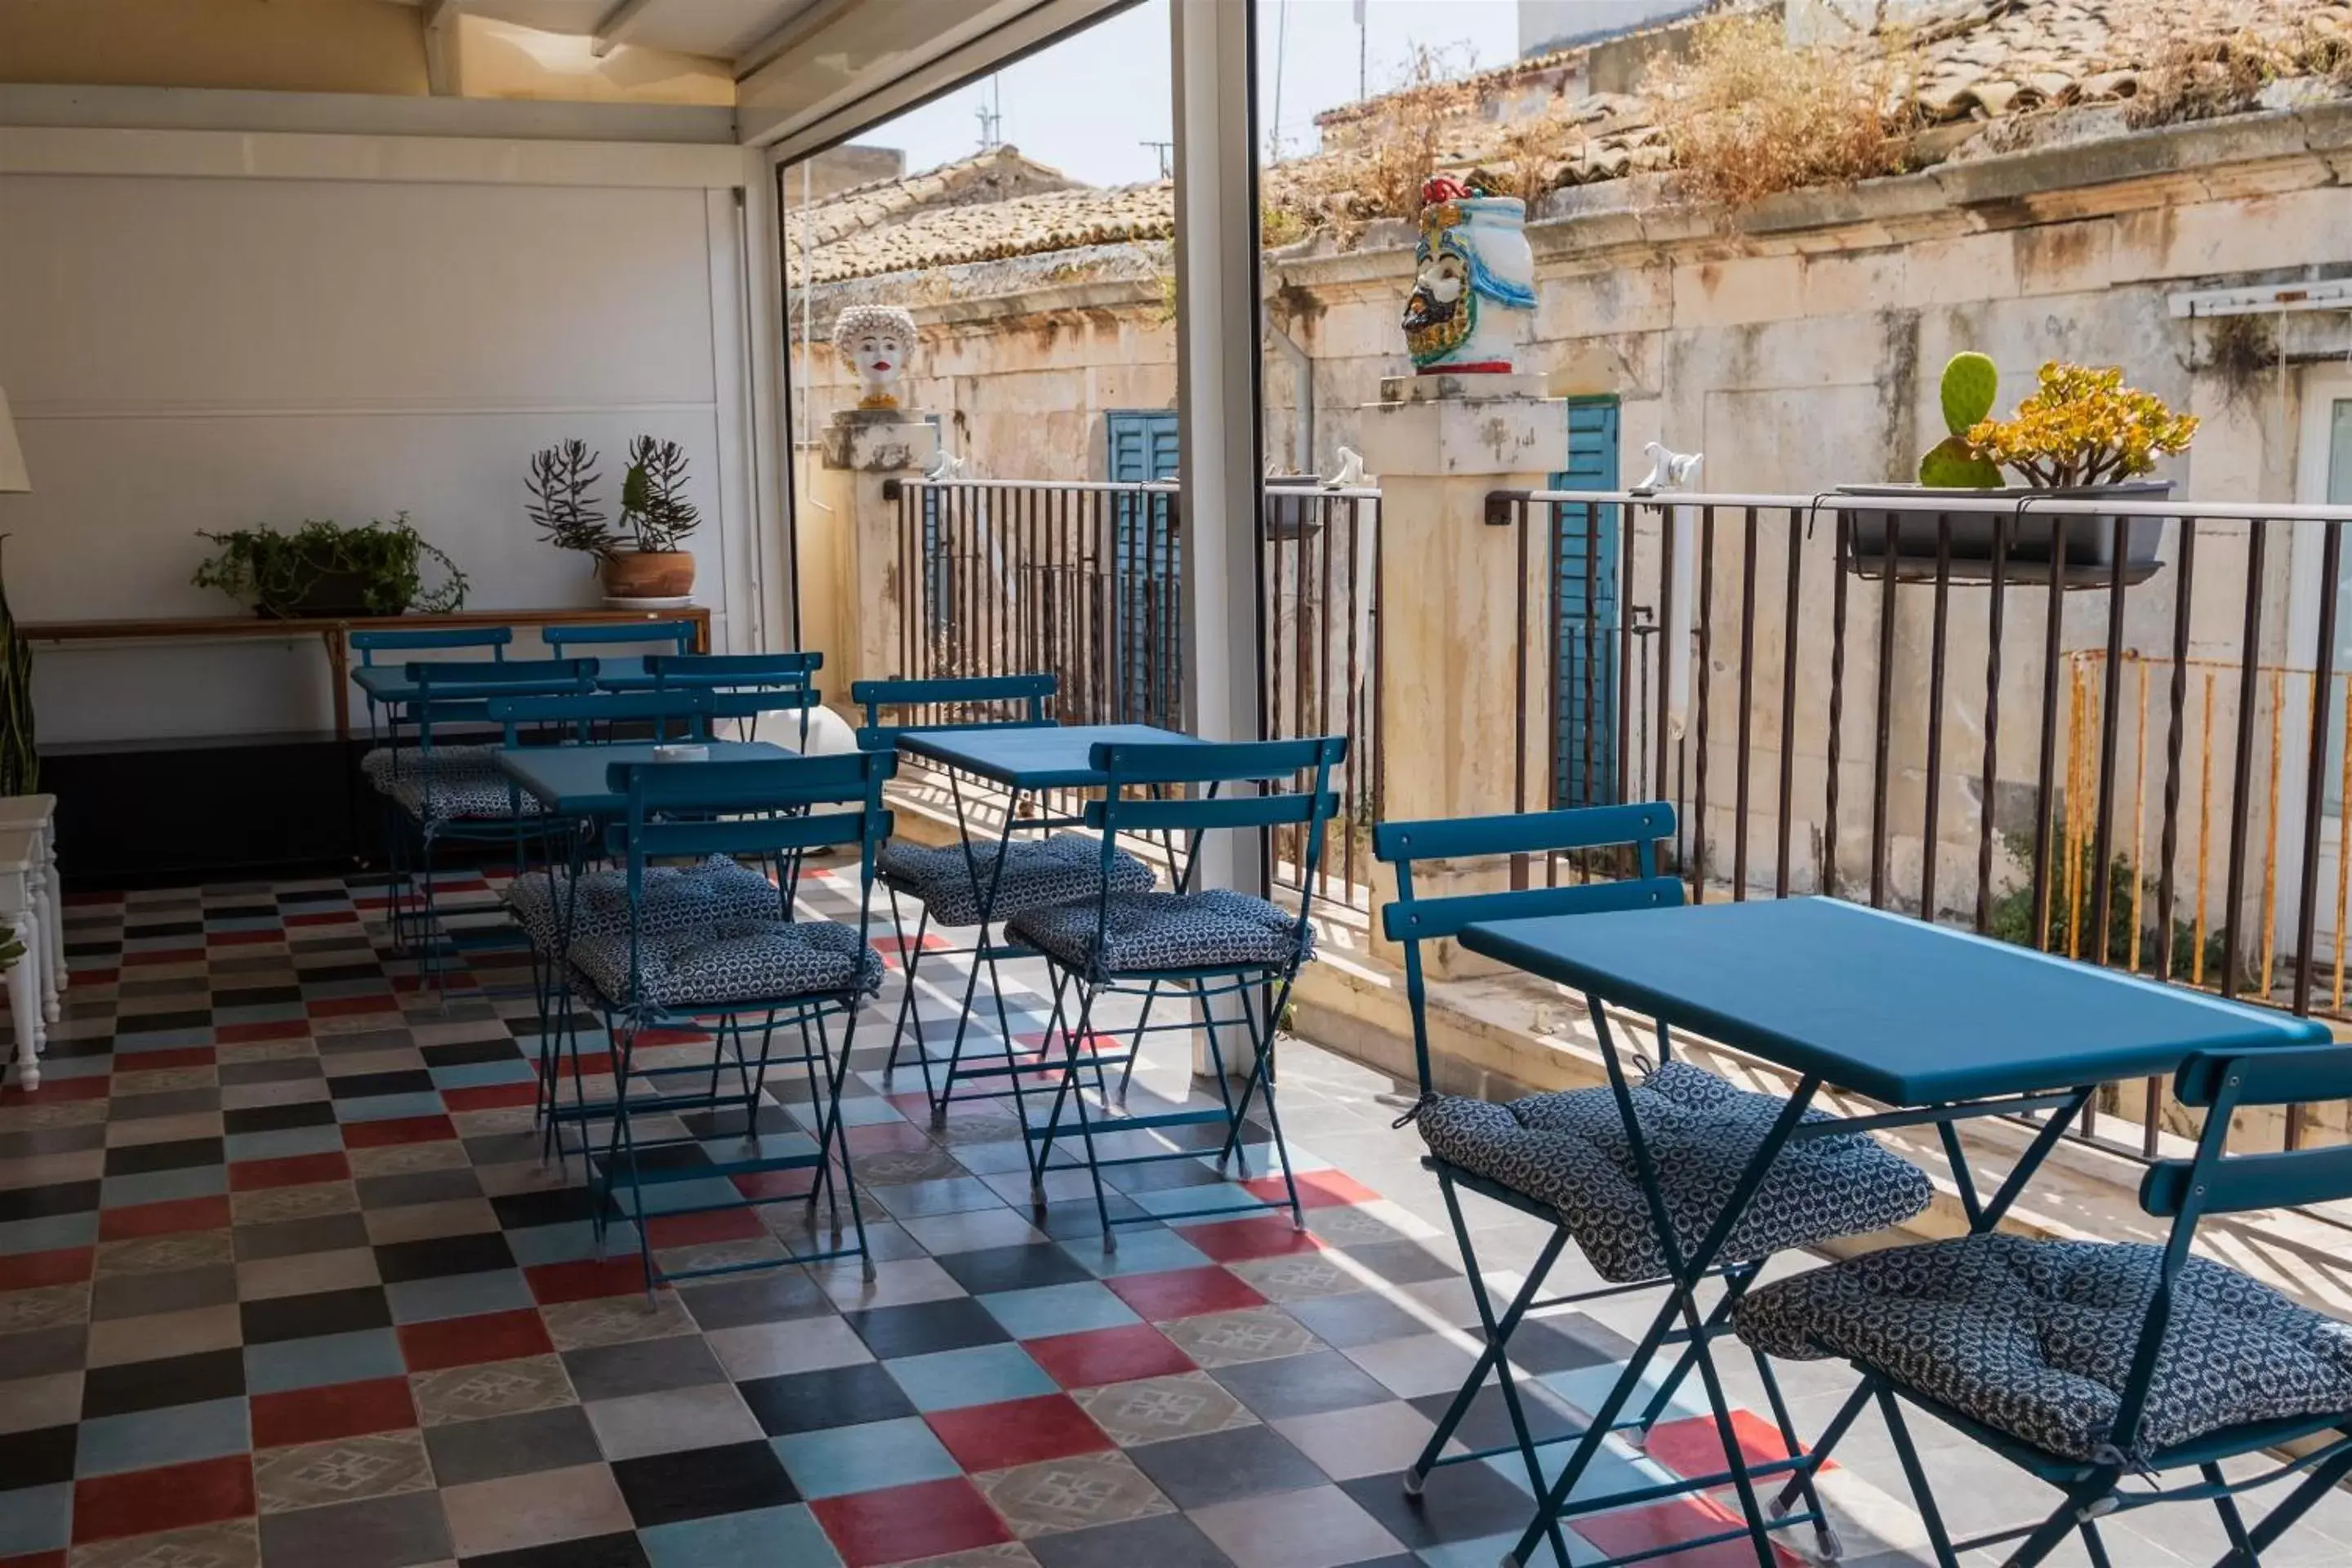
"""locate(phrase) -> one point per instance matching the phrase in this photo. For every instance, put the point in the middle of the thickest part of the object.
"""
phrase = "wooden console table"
(334, 633)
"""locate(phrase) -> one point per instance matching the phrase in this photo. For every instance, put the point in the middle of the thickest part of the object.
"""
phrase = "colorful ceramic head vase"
(1473, 294)
(876, 341)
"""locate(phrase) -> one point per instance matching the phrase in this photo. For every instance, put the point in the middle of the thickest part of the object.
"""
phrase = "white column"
(1217, 395)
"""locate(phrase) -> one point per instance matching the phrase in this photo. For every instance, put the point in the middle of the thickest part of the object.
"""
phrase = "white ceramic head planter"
(1474, 290)
(876, 341)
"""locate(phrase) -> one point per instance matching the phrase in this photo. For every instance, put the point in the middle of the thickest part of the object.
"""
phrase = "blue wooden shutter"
(1144, 446)
(1585, 678)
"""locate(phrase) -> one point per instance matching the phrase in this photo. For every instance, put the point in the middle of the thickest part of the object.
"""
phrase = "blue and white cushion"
(2036, 1339)
(1136, 934)
(1569, 1150)
(463, 794)
(734, 961)
(1038, 874)
(383, 763)
(716, 891)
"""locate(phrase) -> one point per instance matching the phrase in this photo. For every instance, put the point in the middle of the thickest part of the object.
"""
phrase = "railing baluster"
(1705, 567)
(1882, 757)
(2233, 876)
(1784, 808)
(2045, 797)
(2103, 840)
(1929, 833)
(2315, 793)
(1993, 616)
(1840, 525)
(1747, 705)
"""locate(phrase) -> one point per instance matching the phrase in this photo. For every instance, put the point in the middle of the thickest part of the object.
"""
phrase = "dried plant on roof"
(1748, 116)
(1380, 172)
(2219, 62)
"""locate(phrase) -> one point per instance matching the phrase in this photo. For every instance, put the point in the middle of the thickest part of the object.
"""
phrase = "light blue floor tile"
(864, 1458)
(326, 1359)
(1222, 1198)
(161, 1040)
(388, 1106)
(984, 1375)
(761, 1538)
(280, 1142)
(472, 1075)
(568, 1242)
(457, 1296)
(258, 1013)
(1488, 1551)
(49, 1232)
(53, 1068)
(1057, 1309)
(671, 1197)
(163, 1186)
(1587, 1388)
(1142, 1249)
(35, 1519)
(113, 1443)
(942, 1234)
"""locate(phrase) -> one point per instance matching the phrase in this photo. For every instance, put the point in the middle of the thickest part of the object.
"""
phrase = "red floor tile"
(164, 955)
(1017, 1432)
(106, 1508)
(1263, 1235)
(398, 1130)
(1628, 1531)
(885, 1138)
(440, 980)
(56, 1089)
(82, 976)
(155, 1061)
(900, 1524)
(242, 938)
(1316, 1190)
(37, 1559)
(325, 917)
(293, 1171)
(490, 1096)
(463, 1341)
(164, 1218)
(340, 1410)
(276, 1029)
(765, 1185)
(1693, 1447)
(351, 1006)
(1107, 1355)
(673, 1036)
(24, 1270)
(1184, 1293)
(92, 900)
(553, 1283)
(694, 1229)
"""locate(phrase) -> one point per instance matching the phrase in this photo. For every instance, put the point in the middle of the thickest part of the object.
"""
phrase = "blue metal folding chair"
(743, 685)
(1566, 1158)
(2089, 1364)
(1237, 953)
(979, 884)
(463, 798)
(385, 755)
(754, 977)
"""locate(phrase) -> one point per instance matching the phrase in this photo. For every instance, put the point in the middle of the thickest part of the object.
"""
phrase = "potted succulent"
(2081, 434)
(641, 559)
(323, 569)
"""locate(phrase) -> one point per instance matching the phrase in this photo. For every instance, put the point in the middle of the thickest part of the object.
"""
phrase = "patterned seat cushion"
(383, 763)
(1569, 1150)
(1133, 933)
(2036, 1339)
(1038, 873)
(733, 960)
(463, 794)
(717, 890)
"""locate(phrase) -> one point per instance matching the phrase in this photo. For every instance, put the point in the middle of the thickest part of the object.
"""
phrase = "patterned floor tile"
(1229, 1339)
(1157, 1409)
(1073, 1494)
(312, 1475)
(491, 1388)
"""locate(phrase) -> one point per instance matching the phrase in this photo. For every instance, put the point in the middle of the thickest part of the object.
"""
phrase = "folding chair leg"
(2082, 1497)
(837, 1068)
(1134, 1044)
(1826, 1544)
(1832, 1435)
(1085, 1125)
(2234, 1523)
(2322, 1479)
(1264, 1074)
(1741, 1481)
(2094, 1547)
(1940, 1539)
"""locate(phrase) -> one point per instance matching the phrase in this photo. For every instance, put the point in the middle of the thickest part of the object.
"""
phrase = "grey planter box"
(2090, 542)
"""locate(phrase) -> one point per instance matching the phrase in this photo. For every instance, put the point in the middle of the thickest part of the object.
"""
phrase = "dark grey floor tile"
(511, 1445)
(1301, 1385)
(378, 1533)
(1219, 1467)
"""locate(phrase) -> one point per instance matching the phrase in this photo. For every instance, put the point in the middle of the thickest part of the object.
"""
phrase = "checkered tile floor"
(284, 1281)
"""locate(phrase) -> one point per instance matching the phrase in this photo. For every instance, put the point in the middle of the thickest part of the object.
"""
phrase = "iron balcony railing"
(2115, 729)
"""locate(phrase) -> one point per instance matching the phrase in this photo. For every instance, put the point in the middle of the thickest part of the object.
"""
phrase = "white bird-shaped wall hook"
(1669, 470)
(944, 469)
(1351, 470)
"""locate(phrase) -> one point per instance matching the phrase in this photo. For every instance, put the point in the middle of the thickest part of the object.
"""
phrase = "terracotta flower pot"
(649, 574)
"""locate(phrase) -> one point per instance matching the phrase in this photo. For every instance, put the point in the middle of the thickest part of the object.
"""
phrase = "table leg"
(339, 673)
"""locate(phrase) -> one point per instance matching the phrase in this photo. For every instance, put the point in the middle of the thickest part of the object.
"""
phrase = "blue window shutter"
(1585, 679)
(1143, 447)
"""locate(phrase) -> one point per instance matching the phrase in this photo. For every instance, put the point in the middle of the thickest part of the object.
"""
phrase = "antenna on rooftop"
(991, 115)
(1166, 150)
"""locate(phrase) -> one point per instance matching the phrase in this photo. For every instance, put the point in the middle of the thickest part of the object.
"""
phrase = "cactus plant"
(1970, 383)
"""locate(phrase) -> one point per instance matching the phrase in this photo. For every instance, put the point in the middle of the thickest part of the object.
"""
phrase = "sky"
(1090, 105)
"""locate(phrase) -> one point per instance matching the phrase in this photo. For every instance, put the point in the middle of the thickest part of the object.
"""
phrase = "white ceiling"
(721, 30)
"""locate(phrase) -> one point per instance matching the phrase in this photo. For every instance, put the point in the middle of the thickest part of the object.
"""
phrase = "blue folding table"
(1941, 1025)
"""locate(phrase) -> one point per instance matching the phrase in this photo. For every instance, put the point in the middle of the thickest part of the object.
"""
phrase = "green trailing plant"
(1971, 382)
(562, 503)
(20, 760)
(377, 569)
(654, 513)
(2011, 917)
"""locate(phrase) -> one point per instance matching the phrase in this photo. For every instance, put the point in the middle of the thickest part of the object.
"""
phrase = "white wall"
(187, 348)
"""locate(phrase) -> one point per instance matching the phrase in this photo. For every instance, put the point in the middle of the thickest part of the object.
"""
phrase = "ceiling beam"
(812, 16)
(615, 27)
(442, 68)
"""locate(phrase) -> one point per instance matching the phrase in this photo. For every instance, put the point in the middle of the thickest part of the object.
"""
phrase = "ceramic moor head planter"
(876, 341)
(1473, 295)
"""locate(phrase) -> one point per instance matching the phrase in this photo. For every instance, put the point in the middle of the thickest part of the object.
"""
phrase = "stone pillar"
(1450, 606)
(873, 447)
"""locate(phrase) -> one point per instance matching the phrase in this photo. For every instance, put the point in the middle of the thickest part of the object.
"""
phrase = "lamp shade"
(13, 476)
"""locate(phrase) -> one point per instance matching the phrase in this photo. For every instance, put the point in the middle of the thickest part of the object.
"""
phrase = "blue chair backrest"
(451, 693)
(1410, 920)
(1205, 768)
(495, 638)
(2215, 1181)
(582, 712)
(743, 684)
(679, 634)
(1021, 697)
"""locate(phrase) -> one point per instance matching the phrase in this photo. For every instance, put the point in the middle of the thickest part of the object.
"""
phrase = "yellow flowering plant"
(2081, 428)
